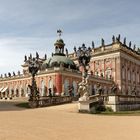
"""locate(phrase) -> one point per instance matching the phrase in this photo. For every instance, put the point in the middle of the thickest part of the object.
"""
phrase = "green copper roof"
(57, 60)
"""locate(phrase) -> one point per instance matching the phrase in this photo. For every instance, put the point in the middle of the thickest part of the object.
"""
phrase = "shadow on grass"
(23, 105)
(13, 105)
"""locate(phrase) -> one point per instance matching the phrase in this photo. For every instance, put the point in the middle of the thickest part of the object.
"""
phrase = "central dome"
(57, 61)
(59, 58)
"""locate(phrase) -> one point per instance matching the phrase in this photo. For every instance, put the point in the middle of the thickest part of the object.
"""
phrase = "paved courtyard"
(63, 123)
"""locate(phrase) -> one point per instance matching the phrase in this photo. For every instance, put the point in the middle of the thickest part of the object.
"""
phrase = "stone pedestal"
(112, 102)
(84, 106)
(123, 102)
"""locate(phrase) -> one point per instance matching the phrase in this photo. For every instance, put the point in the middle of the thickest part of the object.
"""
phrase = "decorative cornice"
(109, 49)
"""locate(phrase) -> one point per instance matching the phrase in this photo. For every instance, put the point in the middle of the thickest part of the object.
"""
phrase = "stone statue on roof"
(30, 56)
(67, 52)
(25, 58)
(45, 56)
(134, 48)
(18, 73)
(119, 37)
(5, 75)
(37, 55)
(9, 74)
(93, 45)
(113, 39)
(130, 44)
(124, 41)
(14, 73)
(74, 49)
(102, 42)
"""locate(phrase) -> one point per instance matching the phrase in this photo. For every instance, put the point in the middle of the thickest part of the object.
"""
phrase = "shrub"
(97, 109)
(100, 108)
(109, 109)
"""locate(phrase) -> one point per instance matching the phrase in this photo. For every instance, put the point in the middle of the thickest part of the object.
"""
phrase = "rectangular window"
(138, 77)
(129, 75)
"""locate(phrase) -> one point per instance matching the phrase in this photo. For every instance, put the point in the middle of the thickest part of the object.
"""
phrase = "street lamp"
(83, 54)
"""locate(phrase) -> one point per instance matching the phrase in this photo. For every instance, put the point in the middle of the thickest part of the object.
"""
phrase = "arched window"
(129, 90)
(90, 89)
(123, 73)
(105, 90)
(123, 89)
(42, 88)
(15, 88)
(138, 77)
(12, 93)
(7, 92)
(133, 76)
(17, 93)
(22, 92)
(74, 88)
(108, 73)
(128, 74)
(96, 73)
(50, 85)
(93, 90)
(27, 90)
(66, 87)
(138, 91)
(95, 87)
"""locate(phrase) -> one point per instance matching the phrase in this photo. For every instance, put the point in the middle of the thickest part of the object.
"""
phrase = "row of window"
(132, 76)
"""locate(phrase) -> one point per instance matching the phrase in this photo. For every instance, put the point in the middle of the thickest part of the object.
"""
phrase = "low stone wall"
(123, 102)
(47, 101)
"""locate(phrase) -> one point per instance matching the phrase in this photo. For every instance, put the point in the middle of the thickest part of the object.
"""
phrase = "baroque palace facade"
(119, 62)
(115, 64)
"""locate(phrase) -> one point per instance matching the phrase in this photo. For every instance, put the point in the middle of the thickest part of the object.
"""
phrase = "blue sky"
(27, 26)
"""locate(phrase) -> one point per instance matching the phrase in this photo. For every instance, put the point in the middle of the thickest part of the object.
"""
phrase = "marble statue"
(83, 90)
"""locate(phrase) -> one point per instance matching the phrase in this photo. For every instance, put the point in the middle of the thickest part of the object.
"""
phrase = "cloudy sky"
(27, 26)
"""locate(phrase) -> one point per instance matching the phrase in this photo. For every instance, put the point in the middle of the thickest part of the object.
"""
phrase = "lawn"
(122, 113)
(23, 105)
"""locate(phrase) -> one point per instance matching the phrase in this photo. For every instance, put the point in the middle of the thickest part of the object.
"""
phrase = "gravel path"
(63, 123)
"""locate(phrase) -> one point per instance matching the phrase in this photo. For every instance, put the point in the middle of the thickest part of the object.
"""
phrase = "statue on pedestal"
(33, 66)
(83, 90)
(84, 54)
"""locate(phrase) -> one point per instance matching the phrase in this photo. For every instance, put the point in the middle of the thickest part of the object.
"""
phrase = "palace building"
(115, 64)
(119, 62)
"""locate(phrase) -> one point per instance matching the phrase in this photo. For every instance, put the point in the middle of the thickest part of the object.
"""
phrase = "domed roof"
(57, 61)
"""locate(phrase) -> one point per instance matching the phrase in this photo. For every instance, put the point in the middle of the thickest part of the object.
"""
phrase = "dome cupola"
(59, 44)
(59, 58)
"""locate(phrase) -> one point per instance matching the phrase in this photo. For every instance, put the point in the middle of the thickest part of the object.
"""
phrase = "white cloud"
(27, 26)
(13, 51)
